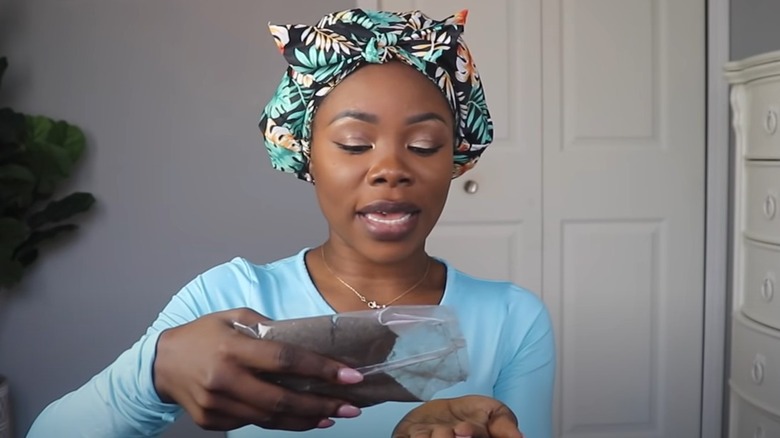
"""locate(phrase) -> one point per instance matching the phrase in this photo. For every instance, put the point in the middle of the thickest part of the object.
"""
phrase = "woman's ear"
(311, 170)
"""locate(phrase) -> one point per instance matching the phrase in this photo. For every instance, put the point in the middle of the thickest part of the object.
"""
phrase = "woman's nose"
(390, 168)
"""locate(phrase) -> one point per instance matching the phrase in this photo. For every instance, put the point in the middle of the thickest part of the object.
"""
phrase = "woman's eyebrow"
(358, 115)
(374, 119)
(424, 117)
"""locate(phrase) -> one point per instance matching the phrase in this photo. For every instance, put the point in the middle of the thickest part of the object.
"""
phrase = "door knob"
(768, 288)
(770, 122)
(471, 187)
(757, 371)
(770, 206)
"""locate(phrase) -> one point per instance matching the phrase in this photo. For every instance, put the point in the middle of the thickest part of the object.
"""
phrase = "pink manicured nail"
(348, 411)
(348, 375)
(325, 423)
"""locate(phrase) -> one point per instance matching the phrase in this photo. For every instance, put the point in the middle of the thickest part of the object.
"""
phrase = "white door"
(623, 194)
(593, 196)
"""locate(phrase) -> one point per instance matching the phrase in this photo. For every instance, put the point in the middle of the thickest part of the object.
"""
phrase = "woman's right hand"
(211, 370)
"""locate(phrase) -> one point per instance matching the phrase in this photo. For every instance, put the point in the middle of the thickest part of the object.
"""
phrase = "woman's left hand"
(472, 416)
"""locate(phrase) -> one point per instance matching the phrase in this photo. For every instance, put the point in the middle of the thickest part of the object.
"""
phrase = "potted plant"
(37, 153)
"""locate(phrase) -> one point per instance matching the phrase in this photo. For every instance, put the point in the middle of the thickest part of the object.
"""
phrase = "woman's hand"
(471, 416)
(211, 370)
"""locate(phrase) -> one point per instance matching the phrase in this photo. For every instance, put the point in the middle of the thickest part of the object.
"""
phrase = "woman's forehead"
(392, 86)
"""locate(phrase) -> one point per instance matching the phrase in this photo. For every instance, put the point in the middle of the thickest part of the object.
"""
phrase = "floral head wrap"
(321, 56)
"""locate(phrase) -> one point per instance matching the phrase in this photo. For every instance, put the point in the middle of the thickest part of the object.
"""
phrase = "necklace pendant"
(374, 305)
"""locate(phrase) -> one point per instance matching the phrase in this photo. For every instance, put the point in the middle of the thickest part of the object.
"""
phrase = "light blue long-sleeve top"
(508, 334)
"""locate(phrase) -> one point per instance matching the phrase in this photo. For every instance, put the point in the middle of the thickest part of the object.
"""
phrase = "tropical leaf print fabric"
(320, 56)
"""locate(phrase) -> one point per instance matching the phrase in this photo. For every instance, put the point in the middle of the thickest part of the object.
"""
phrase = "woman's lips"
(389, 220)
(390, 226)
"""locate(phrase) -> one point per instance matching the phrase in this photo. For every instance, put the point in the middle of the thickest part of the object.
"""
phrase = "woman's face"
(381, 158)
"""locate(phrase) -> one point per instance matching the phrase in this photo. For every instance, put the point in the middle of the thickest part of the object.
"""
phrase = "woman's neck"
(349, 280)
(383, 264)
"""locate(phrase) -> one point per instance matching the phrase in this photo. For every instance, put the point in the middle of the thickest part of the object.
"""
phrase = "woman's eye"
(354, 148)
(424, 150)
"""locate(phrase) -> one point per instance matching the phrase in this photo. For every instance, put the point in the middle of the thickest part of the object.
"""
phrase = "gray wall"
(168, 92)
(754, 27)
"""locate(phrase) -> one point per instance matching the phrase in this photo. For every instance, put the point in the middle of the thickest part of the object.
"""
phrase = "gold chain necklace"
(371, 303)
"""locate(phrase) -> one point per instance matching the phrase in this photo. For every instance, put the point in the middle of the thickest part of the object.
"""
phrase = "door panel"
(623, 192)
(474, 248)
(609, 283)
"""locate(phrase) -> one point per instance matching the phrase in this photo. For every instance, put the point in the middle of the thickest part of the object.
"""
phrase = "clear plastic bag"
(406, 353)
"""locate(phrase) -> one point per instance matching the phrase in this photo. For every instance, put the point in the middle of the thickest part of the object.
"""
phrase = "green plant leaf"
(17, 184)
(9, 150)
(10, 272)
(27, 255)
(49, 163)
(59, 141)
(13, 233)
(36, 154)
(68, 137)
(14, 200)
(38, 127)
(62, 209)
(23, 252)
(13, 128)
(42, 129)
(16, 172)
(3, 67)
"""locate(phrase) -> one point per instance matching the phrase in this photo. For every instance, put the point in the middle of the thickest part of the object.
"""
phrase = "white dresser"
(754, 378)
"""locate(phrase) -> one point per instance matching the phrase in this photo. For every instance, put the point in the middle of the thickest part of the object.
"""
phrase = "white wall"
(169, 93)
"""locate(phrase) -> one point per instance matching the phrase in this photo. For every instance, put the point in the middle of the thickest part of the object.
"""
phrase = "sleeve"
(121, 400)
(526, 382)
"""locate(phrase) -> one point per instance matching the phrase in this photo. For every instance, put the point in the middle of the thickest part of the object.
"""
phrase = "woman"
(380, 111)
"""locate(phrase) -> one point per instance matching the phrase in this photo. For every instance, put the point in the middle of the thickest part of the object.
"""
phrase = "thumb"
(503, 425)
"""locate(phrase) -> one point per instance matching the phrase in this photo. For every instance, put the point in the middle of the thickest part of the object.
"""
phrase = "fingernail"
(348, 375)
(348, 411)
(325, 423)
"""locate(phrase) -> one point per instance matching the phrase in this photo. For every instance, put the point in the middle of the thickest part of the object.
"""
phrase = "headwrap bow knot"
(321, 56)
(376, 50)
